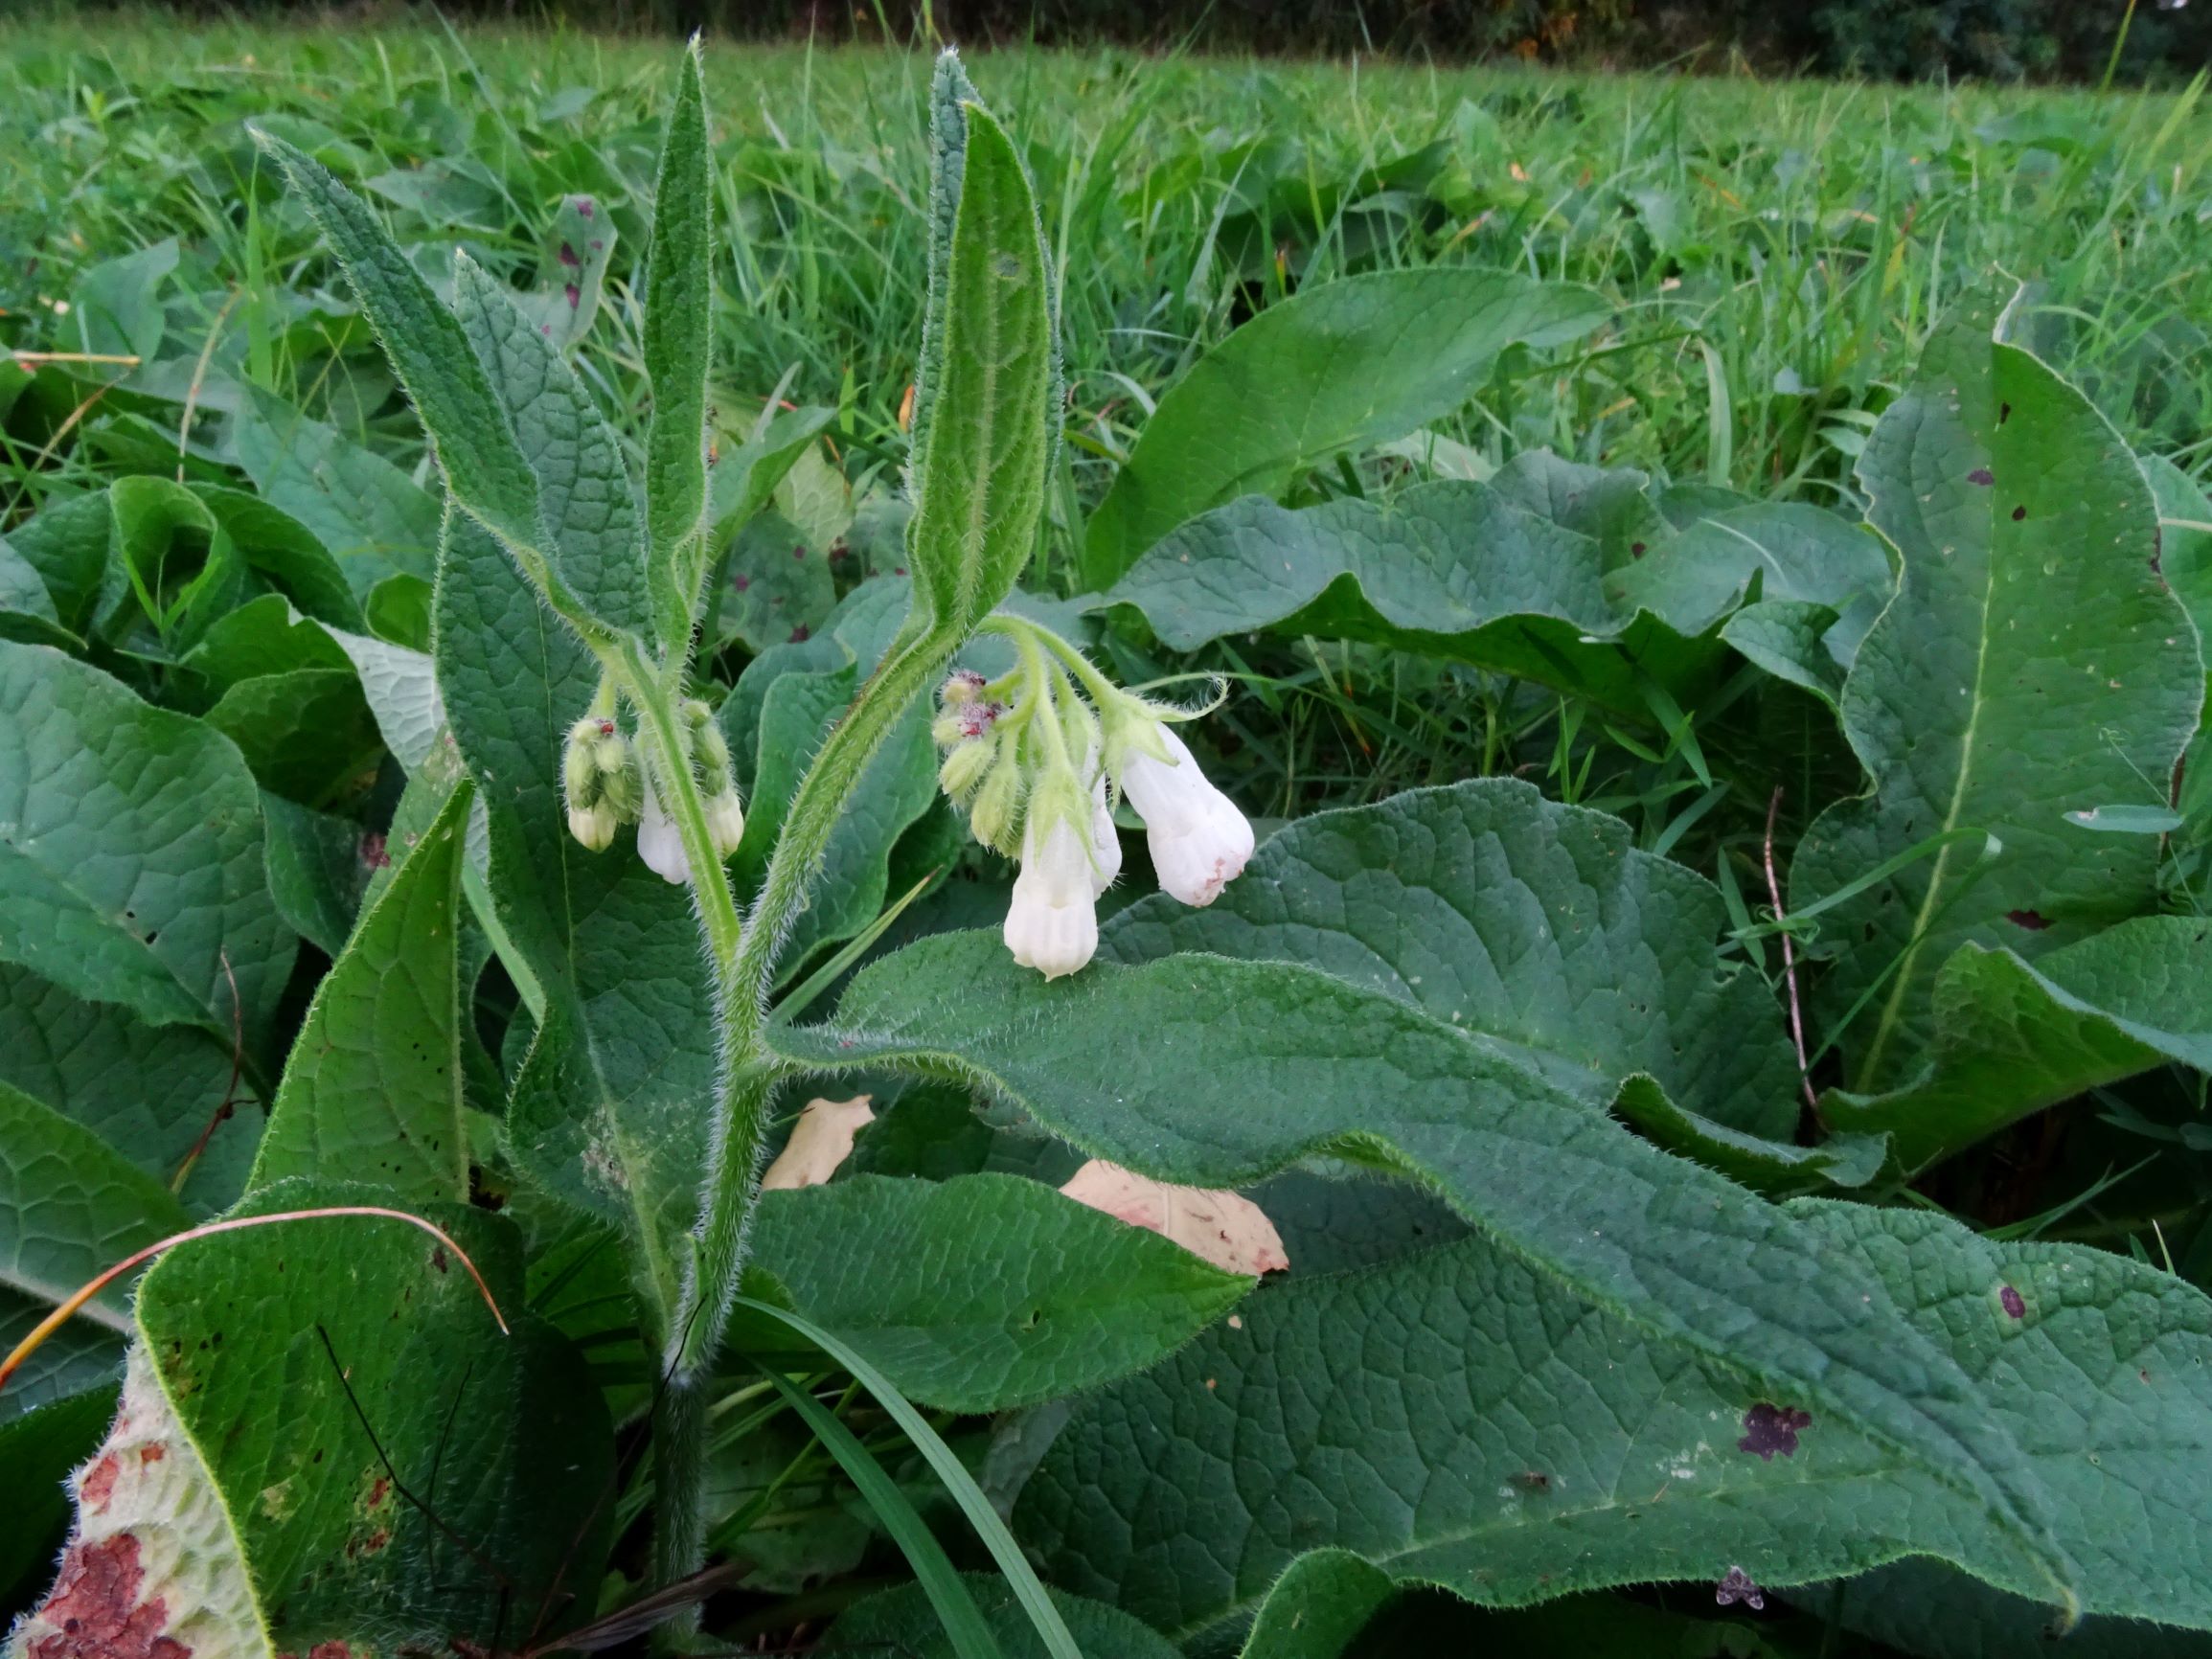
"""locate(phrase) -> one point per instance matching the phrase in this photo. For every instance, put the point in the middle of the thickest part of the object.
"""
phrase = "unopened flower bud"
(725, 823)
(963, 768)
(994, 817)
(579, 760)
(593, 827)
(962, 686)
(660, 843)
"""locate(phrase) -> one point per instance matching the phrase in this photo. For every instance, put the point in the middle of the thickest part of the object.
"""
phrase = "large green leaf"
(593, 531)
(130, 851)
(283, 1348)
(1534, 928)
(985, 1291)
(1553, 573)
(1317, 1607)
(1213, 1073)
(2012, 1037)
(375, 521)
(373, 1090)
(610, 1106)
(149, 1092)
(1350, 363)
(71, 1207)
(990, 365)
(307, 736)
(68, 545)
(1454, 1418)
(82, 1354)
(2033, 664)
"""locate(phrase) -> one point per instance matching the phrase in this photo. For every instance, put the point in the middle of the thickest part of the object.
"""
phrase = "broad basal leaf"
(1454, 1418)
(307, 736)
(985, 1291)
(375, 521)
(283, 1349)
(2033, 664)
(903, 1622)
(373, 1090)
(1550, 572)
(1536, 928)
(1348, 363)
(130, 851)
(2012, 1037)
(1213, 1073)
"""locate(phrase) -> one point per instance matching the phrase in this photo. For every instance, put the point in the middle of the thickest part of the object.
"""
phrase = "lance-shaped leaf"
(1334, 367)
(584, 499)
(373, 1090)
(466, 418)
(2033, 664)
(678, 344)
(990, 367)
(985, 1291)
(610, 1105)
(130, 851)
(339, 1328)
(2012, 1037)
(1564, 575)
(1215, 1073)
(1456, 1418)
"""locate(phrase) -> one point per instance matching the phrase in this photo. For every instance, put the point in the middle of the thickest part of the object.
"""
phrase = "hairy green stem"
(750, 1072)
(679, 1472)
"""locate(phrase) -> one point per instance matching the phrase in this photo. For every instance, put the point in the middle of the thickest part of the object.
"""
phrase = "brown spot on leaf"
(800, 634)
(2004, 413)
(96, 1612)
(1981, 475)
(1635, 550)
(98, 1484)
(2034, 921)
(373, 852)
(152, 1454)
(438, 1256)
(1768, 1429)
(2018, 513)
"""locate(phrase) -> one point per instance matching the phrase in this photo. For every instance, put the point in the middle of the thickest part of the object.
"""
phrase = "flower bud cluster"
(1036, 758)
(607, 783)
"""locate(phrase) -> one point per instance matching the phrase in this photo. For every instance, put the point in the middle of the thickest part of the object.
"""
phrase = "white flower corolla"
(659, 842)
(1105, 845)
(1052, 923)
(1199, 839)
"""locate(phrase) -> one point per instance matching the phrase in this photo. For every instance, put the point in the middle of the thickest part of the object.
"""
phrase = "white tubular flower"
(660, 843)
(1106, 843)
(1051, 924)
(1199, 839)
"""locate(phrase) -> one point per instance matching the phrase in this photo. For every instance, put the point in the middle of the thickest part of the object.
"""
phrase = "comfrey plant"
(620, 562)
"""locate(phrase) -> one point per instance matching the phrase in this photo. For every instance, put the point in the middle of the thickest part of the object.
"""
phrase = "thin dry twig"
(1789, 971)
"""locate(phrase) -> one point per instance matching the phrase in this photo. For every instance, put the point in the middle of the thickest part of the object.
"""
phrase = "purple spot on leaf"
(1635, 550)
(899, 570)
(2010, 1301)
(575, 296)
(1737, 1587)
(798, 553)
(1768, 1429)
(742, 582)
(546, 328)
(799, 634)
(373, 853)
(1981, 475)
(2034, 921)
(597, 244)
(568, 256)
(586, 207)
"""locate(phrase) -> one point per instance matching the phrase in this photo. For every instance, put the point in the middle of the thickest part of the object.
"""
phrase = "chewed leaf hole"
(1769, 1428)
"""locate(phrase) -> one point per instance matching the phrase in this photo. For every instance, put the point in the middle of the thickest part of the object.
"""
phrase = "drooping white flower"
(659, 842)
(1199, 839)
(1052, 923)
(1106, 842)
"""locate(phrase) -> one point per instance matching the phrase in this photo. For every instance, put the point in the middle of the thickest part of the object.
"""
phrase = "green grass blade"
(956, 1608)
(1050, 1628)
